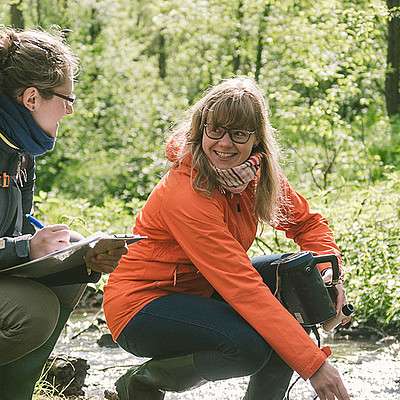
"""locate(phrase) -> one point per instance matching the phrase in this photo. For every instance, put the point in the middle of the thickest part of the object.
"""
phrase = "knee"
(255, 359)
(69, 295)
(26, 321)
(254, 353)
(42, 320)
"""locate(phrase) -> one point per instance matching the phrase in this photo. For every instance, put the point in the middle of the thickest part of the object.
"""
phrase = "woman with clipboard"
(36, 91)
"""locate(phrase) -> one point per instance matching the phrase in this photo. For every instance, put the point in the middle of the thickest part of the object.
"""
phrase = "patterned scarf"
(236, 179)
(17, 123)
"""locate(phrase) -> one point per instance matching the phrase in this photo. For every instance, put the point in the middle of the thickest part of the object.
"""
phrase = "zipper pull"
(23, 170)
(19, 171)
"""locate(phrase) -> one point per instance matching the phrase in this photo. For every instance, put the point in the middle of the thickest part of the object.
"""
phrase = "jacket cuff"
(14, 250)
(22, 246)
(326, 352)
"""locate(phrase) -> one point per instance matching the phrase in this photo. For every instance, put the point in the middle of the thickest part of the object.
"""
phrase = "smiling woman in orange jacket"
(189, 297)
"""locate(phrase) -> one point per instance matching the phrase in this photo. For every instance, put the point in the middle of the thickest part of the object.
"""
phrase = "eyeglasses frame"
(229, 131)
(71, 98)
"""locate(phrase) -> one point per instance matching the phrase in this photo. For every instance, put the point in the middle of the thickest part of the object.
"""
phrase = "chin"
(225, 164)
(52, 133)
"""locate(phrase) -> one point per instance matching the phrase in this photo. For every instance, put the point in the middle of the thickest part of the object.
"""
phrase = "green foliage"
(368, 233)
(322, 68)
(143, 63)
(114, 216)
(366, 223)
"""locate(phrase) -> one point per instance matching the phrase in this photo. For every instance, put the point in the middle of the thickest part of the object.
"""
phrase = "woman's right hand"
(48, 240)
(328, 384)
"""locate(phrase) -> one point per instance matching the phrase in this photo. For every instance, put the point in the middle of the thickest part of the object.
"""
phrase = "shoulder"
(178, 197)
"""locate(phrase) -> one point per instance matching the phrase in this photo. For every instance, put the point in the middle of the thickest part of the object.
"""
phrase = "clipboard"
(71, 256)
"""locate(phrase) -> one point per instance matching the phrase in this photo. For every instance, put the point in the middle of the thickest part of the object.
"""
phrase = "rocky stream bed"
(369, 367)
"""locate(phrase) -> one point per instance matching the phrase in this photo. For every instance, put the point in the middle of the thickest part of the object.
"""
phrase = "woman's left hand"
(107, 262)
(328, 384)
(341, 299)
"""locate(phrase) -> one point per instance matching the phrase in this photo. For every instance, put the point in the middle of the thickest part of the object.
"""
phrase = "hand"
(48, 240)
(107, 262)
(328, 384)
(341, 299)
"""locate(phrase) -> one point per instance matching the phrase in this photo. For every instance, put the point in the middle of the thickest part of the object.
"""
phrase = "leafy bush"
(115, 216)
(366, 224)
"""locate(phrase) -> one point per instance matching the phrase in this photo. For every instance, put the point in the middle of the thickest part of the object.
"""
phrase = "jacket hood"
(176, 145)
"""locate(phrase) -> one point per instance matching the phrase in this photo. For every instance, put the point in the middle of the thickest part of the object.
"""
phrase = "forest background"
(329, 70)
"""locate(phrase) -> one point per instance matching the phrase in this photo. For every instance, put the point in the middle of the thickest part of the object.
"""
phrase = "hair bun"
(9, 41)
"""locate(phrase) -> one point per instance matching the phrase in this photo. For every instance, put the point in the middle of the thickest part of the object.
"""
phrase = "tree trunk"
(39, 13)
(162, 56)
(393, 59)
(17, 19)
(236, 55)
(260, 43)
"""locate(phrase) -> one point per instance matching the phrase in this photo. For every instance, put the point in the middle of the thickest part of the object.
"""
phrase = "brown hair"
(34, 58)
(236, 102)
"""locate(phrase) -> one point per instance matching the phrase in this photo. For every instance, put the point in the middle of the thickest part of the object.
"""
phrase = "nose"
(69, 109)
(225, 140)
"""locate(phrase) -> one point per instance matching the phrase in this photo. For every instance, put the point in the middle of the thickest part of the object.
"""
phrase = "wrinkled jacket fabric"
(14, 245)
(15, 248)
(197, 244)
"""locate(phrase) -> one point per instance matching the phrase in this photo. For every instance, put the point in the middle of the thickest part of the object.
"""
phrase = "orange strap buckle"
(5, 180)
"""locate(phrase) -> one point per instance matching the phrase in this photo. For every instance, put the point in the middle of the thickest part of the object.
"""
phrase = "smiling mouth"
(224, 155)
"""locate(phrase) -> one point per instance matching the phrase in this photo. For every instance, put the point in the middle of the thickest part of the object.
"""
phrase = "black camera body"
(302, 290)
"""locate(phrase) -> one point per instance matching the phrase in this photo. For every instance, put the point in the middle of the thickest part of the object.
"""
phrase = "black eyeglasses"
(240, 136)
(70, 99)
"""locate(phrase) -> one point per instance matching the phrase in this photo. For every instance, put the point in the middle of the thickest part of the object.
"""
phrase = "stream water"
(371, 371)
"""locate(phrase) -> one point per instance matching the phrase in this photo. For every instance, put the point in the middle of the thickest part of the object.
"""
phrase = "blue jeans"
(223, 344)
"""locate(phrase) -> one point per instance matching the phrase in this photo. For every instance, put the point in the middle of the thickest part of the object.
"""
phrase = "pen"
(34, 221)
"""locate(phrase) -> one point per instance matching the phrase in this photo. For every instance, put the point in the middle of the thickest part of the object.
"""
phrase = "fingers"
(56, 227)
(105, 267)
(55, 232)
(341, 297)
(327, 275)
(328, 384)
(114, 254)
(48, 240)
(107, 262)
(346, 320)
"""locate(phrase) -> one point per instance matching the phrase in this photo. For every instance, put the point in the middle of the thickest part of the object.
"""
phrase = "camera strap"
(278, 279)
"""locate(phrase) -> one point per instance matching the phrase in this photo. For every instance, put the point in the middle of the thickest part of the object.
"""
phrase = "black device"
(301, 288)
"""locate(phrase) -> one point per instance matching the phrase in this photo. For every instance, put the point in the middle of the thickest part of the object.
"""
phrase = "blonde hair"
(239, 103)
(34, 58)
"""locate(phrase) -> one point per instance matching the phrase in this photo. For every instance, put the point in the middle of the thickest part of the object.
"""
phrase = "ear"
(31, 98)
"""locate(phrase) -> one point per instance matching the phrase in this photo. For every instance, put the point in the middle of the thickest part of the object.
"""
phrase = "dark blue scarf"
(17, 123)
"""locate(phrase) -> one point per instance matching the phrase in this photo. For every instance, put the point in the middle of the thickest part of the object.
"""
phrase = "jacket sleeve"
(14, 251)
(310, 230)
(197, 224)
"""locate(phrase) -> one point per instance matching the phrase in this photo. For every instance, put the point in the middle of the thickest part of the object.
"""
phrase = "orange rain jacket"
(196, 244)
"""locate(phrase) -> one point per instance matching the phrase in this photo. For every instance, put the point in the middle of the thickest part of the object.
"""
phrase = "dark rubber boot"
(18, 378)
(150, 380)
(271, 382)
